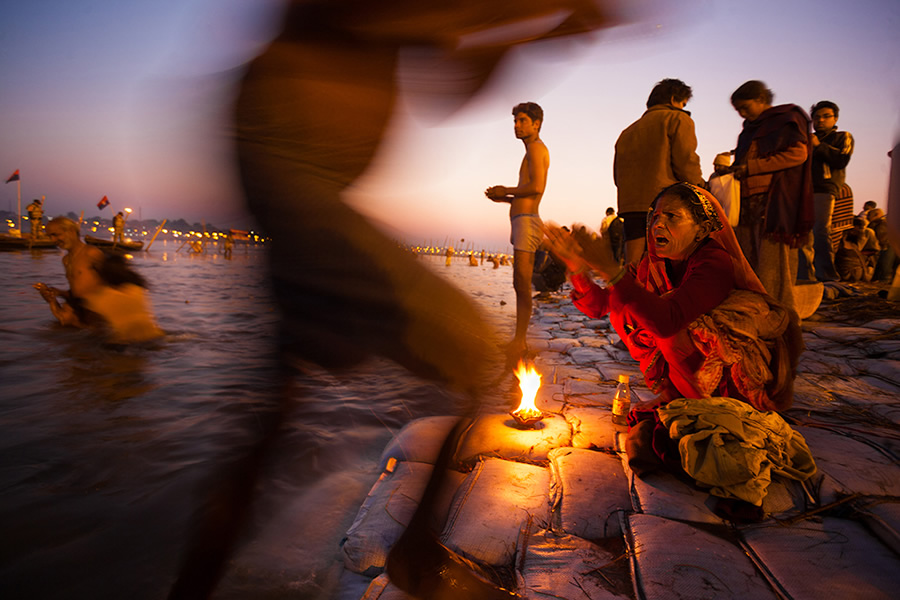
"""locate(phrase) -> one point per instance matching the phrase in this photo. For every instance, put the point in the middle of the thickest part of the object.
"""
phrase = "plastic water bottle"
(621, 402)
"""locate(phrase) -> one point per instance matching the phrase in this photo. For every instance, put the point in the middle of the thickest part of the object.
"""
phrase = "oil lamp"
(527, 415)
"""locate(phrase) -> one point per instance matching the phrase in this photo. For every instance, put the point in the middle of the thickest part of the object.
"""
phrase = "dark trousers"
(817, 254)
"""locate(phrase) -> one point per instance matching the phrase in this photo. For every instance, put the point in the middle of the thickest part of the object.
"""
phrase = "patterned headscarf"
(700, 200)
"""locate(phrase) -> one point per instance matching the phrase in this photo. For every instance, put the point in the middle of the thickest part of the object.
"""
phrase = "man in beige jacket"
(654, 152)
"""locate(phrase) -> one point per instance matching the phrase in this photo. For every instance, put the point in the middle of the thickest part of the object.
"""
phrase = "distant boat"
(111, 245)
(11, 242)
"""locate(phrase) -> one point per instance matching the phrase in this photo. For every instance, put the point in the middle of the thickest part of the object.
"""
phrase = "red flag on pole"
(104, 202)
(13, 177)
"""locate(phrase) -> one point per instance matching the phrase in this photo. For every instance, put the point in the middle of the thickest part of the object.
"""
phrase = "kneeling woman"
(692, 312)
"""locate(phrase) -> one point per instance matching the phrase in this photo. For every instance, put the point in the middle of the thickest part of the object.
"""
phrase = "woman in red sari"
(692, 312)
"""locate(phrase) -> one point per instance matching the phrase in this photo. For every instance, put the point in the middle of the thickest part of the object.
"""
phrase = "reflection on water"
(103, 446)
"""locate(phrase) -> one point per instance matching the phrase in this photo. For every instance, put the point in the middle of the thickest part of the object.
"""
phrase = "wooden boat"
(111, 245)
(11, 242)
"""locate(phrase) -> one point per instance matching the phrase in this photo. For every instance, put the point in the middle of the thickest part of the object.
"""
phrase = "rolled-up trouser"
(806, 268)
(824, 251)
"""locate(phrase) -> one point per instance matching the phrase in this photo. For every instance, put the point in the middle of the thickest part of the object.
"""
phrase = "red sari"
(704, 328)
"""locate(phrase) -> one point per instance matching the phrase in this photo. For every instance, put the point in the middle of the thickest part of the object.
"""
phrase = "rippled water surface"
(104, 449)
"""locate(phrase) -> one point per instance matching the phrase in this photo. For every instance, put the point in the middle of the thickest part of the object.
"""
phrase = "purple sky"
(129, 100)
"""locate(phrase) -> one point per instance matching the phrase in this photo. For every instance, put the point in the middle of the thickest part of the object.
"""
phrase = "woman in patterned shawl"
(692, 312)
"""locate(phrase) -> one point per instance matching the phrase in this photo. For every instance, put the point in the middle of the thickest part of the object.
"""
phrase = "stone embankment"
(555, 512)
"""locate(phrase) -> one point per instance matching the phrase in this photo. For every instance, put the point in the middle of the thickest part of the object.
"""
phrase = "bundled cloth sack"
(733, 449)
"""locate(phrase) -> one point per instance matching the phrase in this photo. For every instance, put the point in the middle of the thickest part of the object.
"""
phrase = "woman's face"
(750, 109)
(675, 233)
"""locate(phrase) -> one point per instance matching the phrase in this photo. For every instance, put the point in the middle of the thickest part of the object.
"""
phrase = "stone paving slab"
(787, 497)
(846, 335)
(580, 387)
(827, 558)
(588, 490)
(491, 507)
(383, 516)
(588, 356)
(592, 426)
(882, 517)
(551, 398)
(883, 349)
(662, 495)
(854, 465)
(589, 339)
(567, 374)
(824, 364)
(418, 441)
(564, 566)
(677, 560)
(498, 436)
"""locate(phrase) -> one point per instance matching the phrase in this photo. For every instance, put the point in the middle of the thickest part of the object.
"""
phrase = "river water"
(105, 450)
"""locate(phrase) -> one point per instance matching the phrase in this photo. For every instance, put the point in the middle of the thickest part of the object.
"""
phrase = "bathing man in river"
(525, 223)
(79, 263)
(103, 290)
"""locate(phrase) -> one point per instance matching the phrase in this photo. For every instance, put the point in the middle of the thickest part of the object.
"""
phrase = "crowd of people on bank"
(700, 284)
(779, 192)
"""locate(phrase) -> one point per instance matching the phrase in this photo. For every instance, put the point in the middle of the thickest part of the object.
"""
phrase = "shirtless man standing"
(526, 234)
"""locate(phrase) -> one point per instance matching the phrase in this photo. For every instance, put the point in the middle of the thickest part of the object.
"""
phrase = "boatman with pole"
(36, 217)
(118, 223)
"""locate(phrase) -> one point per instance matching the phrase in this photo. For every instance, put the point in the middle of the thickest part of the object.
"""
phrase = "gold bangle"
(616, 278)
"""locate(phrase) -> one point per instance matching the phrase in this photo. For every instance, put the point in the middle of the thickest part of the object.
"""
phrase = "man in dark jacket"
(831, 153)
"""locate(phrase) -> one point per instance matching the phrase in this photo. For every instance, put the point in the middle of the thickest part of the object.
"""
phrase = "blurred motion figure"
(104, 292)
(309, 118)
(36, 217)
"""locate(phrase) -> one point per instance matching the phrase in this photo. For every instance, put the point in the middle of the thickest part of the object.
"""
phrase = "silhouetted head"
(752, 99)
(670, 91)
(824, 115)
(63, 232)
(532, 109)
(824, 104)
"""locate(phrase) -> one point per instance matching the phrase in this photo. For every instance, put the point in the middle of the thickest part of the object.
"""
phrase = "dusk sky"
(130, 100)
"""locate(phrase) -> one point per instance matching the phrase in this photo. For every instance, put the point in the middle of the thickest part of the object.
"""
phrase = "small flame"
(529, 383)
